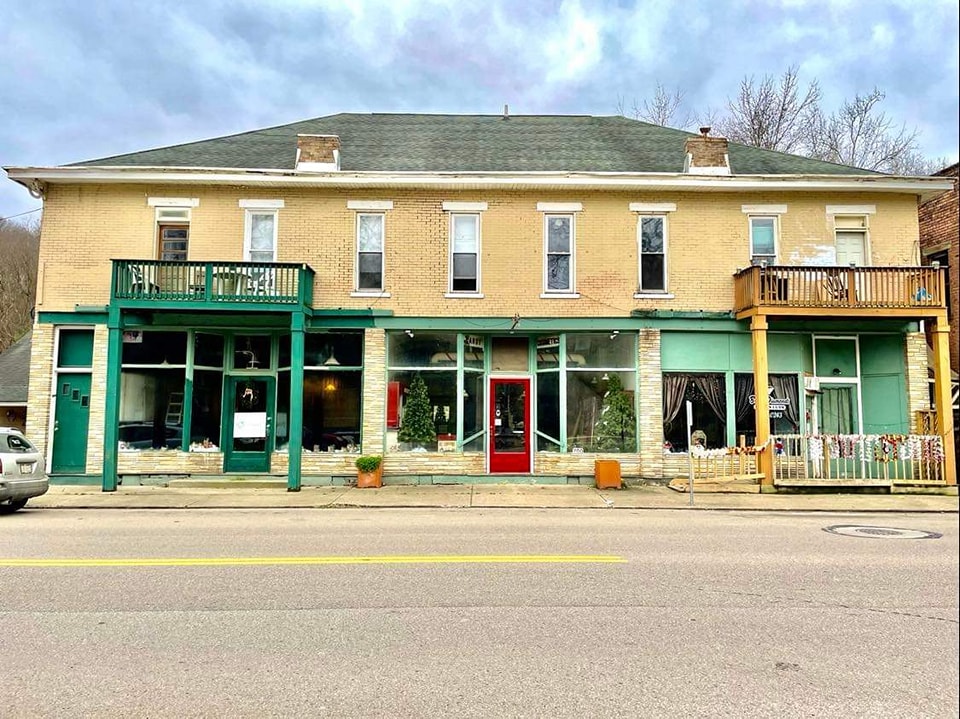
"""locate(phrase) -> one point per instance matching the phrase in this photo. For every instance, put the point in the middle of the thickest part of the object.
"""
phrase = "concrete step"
(227, 482)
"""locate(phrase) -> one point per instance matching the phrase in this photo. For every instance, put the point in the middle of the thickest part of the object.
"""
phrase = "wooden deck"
(908, 292)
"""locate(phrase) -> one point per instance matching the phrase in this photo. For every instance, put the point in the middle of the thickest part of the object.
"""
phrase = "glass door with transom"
(509, 444)
(248, 425)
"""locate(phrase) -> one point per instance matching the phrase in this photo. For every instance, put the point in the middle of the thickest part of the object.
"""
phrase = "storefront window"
(438, 409)
(152, 390)
(423, 350)
(707, 394)
(601, 414)
(331, 410)
(252, 352)
(784, 401)
(332, 349)
(548, 411)
(474, 392)
(206, 410)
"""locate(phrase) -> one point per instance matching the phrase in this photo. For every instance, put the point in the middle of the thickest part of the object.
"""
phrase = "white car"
(21, 470)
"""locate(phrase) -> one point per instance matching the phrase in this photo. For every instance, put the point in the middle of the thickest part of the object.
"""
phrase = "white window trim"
(641, 293)
(464, 207)
(851, 209)
(763, 209)
(248, 228)
(570, 291)
(375, 205)
(383, 257)
(558, 295)
(776, 235)
(479, 218)
(173, 201)
(560, 207)
(653, 208)
(261, 204)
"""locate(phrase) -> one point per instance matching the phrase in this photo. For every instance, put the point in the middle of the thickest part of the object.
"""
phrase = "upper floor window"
(652, 233)
(851, 239)
(465, 253)
(558, 269)
(173, 233)
(260, 236)
(260, 230)
(370, 251)
(763, 239)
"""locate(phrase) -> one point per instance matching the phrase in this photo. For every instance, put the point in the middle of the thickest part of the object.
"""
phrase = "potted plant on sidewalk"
(369, 470)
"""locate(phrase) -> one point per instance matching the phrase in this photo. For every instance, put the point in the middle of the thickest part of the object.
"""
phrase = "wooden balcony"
(801, 291)
(203, 285)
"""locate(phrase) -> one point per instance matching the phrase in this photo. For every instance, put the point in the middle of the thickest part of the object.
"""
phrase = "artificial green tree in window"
(616, 430)
(416, 424)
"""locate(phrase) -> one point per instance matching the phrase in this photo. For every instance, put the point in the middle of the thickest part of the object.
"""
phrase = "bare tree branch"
(19, 248)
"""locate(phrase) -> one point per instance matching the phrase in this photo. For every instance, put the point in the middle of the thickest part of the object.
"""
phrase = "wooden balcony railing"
(845, 290)
(160, 281)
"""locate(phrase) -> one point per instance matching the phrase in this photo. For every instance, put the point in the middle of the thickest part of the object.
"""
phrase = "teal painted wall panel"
(692, 351)
(885, 405)
(881, 354)
(836, 358)
(720, 352)
(789, 353)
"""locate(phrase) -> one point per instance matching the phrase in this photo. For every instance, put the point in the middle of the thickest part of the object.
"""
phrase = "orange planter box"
(607, 473)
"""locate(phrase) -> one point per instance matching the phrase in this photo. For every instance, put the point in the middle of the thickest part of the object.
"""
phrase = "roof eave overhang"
(924, 187)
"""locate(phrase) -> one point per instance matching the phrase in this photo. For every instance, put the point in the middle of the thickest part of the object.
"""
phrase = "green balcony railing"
(269, 283)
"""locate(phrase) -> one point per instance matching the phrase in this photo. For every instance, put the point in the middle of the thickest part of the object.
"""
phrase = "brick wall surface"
(316, 227)
(939, 224)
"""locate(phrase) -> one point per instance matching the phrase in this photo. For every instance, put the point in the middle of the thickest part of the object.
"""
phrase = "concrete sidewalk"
(478, 496)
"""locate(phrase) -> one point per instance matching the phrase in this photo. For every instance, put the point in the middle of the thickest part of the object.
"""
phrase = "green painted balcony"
(841, 291)
(204, 285)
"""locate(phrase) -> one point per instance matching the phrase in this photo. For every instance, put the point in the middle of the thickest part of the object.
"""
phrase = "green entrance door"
(248, 424)
(70, 424)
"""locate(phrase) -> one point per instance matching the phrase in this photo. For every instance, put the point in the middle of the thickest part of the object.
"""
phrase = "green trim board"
(73, 318)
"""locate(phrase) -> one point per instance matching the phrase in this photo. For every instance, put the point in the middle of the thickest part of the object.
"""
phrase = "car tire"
(13, 505)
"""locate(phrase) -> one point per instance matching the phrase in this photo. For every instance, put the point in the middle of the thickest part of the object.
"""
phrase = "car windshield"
(16, 443)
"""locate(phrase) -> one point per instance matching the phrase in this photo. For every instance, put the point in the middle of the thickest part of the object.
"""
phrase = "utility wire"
(28, 212)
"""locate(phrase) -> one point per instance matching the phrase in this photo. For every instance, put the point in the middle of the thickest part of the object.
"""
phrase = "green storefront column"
(111, 418)
(295, 443)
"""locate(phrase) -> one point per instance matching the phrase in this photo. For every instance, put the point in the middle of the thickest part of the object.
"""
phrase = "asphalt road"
(476, 613)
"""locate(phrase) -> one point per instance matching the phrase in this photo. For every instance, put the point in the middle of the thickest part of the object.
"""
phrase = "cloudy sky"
(81, 79)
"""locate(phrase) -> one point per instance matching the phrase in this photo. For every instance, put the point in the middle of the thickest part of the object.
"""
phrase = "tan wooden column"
(940, 332)
(758, 331)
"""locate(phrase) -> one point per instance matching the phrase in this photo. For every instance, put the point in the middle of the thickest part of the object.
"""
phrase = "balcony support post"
(940, 331)
(758, 333)
(111, 411)
(295, 420)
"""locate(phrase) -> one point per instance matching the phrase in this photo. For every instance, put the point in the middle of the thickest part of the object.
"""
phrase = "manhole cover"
(859, 530)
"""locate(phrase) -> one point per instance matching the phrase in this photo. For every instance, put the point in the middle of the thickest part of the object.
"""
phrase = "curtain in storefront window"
(713, 391)
(786, 386)
(674, 389)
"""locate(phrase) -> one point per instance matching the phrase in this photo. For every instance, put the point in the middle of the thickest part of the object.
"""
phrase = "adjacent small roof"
(15, 371)
(471, 143)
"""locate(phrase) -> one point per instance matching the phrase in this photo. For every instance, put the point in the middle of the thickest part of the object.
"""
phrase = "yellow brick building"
(482, 298)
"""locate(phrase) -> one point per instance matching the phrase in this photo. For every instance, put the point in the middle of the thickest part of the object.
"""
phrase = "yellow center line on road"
(267, 561)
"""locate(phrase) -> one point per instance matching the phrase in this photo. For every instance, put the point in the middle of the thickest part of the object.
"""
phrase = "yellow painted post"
(758, 331)
(940, 331)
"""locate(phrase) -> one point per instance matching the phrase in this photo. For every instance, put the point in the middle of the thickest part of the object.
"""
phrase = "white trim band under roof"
(923, 186)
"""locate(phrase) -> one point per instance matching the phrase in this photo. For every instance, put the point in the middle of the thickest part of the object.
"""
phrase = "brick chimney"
(318, 153)
(706, 155)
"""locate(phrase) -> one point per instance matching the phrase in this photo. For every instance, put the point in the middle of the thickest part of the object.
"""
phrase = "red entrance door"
(509, 446)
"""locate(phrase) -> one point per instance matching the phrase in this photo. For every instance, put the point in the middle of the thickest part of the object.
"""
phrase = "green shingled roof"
(471, 143)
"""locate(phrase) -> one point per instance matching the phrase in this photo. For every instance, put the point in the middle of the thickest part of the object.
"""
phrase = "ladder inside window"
(175, 408)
